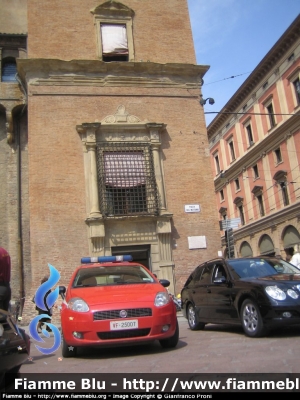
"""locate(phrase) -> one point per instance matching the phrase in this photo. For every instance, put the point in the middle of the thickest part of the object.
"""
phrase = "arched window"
(114, 25)
(266, 246)
(290, 237)
(246, 250)
(9, 69)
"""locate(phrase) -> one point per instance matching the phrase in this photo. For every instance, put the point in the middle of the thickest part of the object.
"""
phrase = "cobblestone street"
(217, 349)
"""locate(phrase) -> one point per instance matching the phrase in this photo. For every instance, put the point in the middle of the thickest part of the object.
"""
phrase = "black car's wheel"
(172, 341)
(66, 350)
(251, 319)
(192, 318)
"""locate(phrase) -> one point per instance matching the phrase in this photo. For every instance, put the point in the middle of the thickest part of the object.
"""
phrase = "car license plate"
(120, 325)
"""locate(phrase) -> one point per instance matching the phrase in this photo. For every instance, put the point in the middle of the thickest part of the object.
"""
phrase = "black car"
(260, 293)
(14, 346)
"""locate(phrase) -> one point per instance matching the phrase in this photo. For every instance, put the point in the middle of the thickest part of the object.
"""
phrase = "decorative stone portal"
(123, 170)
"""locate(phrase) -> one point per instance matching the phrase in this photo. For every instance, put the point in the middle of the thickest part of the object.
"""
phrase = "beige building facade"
(254, 146)
(115, 156)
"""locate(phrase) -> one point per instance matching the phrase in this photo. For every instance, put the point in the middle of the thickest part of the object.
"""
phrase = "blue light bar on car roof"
(103, 259)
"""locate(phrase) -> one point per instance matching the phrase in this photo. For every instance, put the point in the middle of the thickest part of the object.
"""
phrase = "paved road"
(217, 349)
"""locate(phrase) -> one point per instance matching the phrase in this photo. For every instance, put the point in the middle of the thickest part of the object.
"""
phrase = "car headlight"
(77, 304)
(292, 294)
(161, 299)
(275, 293)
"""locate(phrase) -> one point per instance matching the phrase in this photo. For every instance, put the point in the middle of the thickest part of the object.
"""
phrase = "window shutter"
(114, 39)
(124, 170)
(9, 71)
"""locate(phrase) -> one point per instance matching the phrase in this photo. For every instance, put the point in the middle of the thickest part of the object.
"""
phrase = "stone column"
(159, 178)
(166, 265)
(88, 136)
(96, 234)
(94, 220)
(94, 198)
(155, 130)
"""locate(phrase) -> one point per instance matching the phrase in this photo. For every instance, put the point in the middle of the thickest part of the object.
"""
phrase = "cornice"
(111, 8)
(281, 48)
(50, 72)
(13, 41)
(269, 221)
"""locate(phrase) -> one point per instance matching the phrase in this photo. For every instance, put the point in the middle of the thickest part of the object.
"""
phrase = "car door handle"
(208, 290)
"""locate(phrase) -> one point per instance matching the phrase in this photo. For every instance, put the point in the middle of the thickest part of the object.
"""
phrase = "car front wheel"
(66, 350)
(251, 319)
(194, 324)
(172, 341)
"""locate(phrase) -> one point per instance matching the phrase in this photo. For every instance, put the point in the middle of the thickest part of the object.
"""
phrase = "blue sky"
(232, 36)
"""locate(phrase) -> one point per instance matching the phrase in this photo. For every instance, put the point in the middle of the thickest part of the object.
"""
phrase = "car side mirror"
(164, 282)
(222, 279)
(62, 291)
(279, 269)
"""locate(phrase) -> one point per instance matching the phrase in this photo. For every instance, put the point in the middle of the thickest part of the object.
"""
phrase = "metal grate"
(126, 179)
(130, 333)
(115, 314)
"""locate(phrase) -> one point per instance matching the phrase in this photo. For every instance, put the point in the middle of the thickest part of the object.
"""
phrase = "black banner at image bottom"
(132, 396)
(148, 384)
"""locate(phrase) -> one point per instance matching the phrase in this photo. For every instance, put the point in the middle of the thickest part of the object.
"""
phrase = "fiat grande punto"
(114, 301)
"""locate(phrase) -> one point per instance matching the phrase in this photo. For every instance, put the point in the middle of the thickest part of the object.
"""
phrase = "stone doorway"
(140, 254)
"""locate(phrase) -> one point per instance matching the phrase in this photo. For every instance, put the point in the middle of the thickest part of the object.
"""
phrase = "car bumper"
(99, 333)
(14, 350)
(281, 316)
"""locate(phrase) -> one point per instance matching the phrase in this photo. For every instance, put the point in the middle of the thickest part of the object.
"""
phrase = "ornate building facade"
(112, 142)
(254, 146)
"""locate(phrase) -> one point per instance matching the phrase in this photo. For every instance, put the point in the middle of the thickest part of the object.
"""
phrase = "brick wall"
(57, 189)
(10, 237)
(57, 184)
(65, 30)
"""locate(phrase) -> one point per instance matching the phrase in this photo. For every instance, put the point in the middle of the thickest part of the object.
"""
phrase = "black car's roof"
(243, 258)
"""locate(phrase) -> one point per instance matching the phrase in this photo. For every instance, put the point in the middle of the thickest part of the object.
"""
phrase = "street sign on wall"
(190, 208)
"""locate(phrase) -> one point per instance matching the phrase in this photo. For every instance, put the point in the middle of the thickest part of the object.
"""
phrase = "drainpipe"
(19, 202)
(19, 199)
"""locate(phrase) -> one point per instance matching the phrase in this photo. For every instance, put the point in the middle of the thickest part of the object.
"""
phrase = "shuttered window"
(126, 178)
(114, 42)
(9, 70)
(124, 169)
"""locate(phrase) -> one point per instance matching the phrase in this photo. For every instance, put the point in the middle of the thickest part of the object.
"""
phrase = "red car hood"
(144, 292)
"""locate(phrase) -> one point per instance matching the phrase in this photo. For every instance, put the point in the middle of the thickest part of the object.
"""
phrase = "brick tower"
(118, 158)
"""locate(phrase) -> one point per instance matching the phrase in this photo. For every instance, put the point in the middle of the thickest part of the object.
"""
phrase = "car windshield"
(260, 267)
(117, 275)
